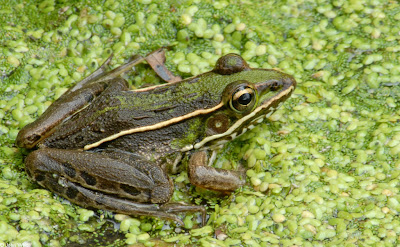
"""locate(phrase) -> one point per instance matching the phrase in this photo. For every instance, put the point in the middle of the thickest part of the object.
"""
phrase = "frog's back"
(116, 111)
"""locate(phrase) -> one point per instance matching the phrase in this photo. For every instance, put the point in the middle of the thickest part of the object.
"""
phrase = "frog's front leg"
(202, 175)
(112, 181)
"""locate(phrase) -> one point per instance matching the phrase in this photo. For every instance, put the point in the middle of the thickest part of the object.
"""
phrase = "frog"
(104, 145)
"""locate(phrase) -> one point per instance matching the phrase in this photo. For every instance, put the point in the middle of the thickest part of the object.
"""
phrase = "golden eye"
(243, 99)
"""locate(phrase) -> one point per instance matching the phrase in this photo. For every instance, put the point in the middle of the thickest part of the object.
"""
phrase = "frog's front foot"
(202, 175)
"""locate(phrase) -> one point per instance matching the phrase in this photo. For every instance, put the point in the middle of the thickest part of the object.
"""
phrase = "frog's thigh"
(212, 178)
(68, 104)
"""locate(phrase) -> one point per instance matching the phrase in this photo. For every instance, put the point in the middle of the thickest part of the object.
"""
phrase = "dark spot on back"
(52, 183)
(71, 192)
(89, 179)
(40, 177)
(105, 185)
(129, 189)
(69, 170)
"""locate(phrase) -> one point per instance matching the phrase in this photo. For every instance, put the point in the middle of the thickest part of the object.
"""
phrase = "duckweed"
(323, 170)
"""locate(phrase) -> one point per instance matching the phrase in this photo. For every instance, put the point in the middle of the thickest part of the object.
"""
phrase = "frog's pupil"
(245, 99)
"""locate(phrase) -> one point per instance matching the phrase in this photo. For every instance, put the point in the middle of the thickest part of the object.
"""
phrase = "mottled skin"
(148, 131)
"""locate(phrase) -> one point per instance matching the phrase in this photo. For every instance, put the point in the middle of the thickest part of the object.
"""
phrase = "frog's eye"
(243, 99)
(240, 96)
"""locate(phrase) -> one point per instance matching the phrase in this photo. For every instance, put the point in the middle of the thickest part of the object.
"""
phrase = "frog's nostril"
(275, 85)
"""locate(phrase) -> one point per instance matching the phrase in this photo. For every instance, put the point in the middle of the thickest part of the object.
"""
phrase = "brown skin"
(211, 178)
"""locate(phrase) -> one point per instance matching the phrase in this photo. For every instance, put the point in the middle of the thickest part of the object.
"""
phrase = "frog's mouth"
(267, 105)
(272, 94)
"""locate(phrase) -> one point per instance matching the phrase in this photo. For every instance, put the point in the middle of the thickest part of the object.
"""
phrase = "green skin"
(129, 173)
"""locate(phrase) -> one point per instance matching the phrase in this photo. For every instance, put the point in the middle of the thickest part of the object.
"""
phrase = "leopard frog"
(102, 145)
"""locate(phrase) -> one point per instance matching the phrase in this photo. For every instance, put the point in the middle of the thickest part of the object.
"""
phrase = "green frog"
(102, 145)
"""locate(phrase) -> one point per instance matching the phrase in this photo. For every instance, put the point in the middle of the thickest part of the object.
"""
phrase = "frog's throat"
(154, 126)
(232, 130)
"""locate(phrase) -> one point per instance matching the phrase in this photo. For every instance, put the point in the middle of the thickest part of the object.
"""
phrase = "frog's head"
(250, 96)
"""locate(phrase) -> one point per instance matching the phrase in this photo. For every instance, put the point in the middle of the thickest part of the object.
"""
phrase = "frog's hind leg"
(117, 182)
(72, 101)
(84, 92)
(91, 199)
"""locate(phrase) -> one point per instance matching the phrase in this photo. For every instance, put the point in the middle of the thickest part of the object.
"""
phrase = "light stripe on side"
(154, 126)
